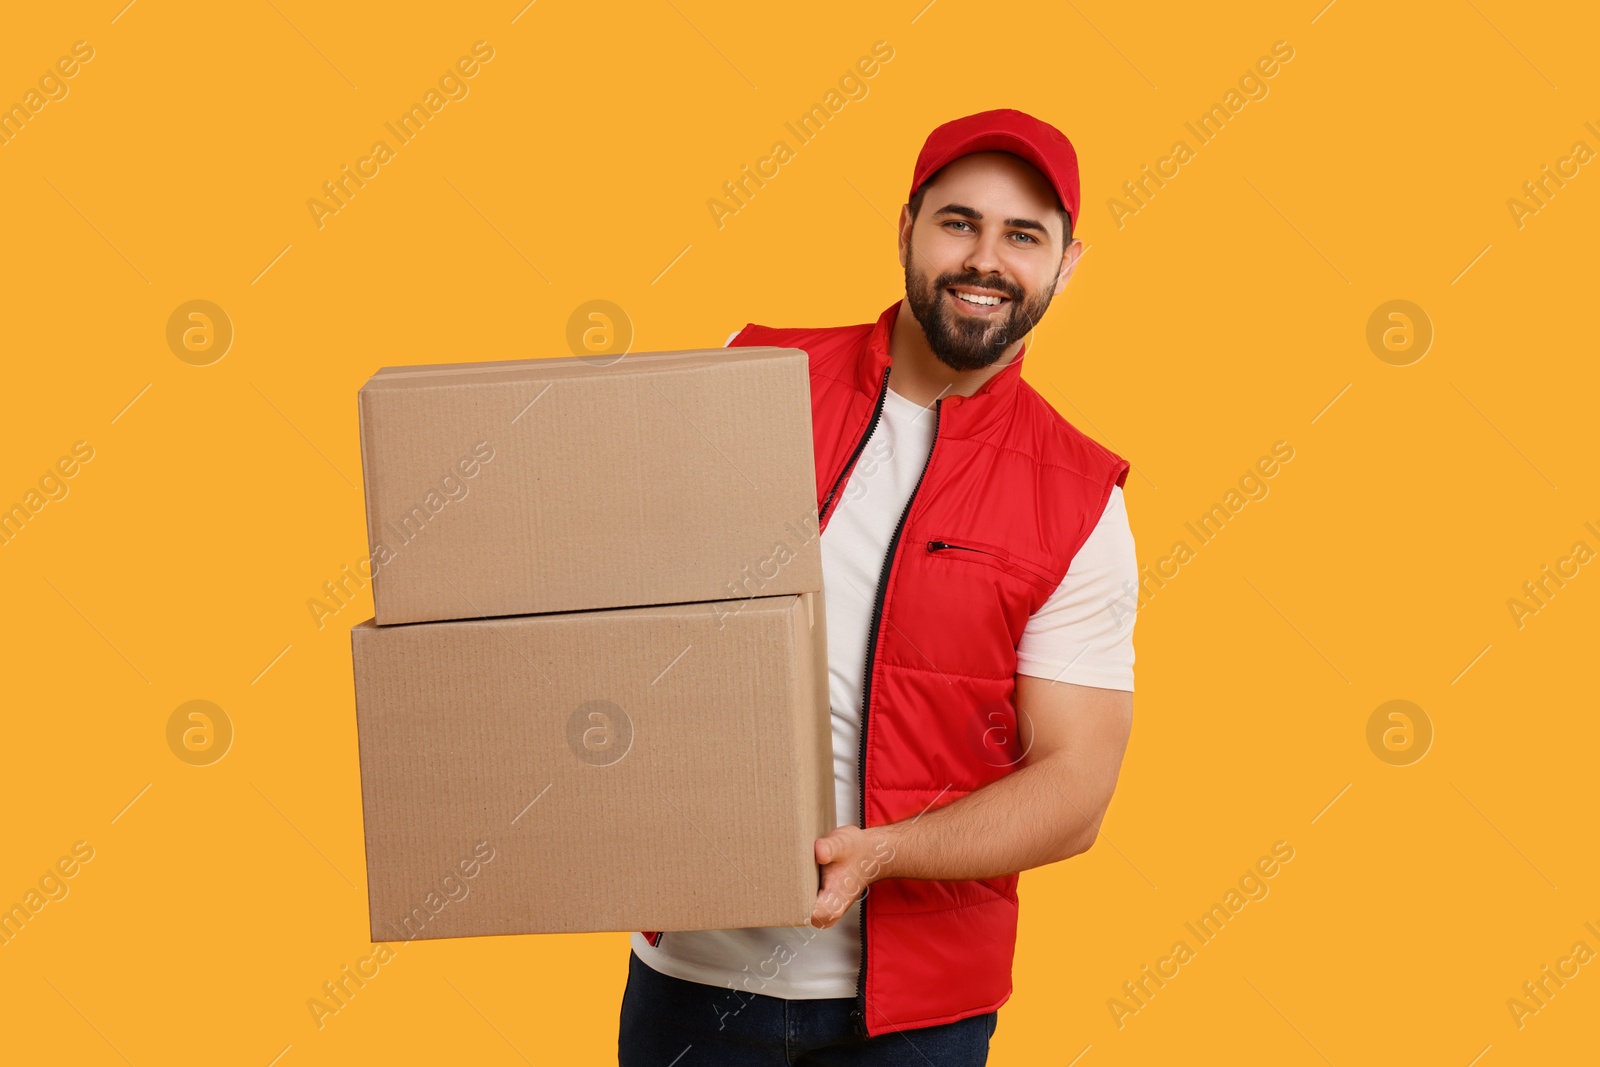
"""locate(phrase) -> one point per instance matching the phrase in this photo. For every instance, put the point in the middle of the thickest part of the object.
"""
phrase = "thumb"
(824, 850)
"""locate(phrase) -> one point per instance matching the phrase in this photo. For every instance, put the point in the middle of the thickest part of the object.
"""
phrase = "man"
(977, 565)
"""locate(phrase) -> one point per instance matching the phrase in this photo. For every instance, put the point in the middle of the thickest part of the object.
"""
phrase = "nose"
(984, 255)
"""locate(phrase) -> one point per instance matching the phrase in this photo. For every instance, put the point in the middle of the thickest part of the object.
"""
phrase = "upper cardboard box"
(576, 483)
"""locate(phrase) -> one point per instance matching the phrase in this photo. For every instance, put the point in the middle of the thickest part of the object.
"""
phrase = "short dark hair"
(915, 204)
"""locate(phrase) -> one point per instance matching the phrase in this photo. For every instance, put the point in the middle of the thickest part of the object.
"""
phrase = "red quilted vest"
(1009, 494)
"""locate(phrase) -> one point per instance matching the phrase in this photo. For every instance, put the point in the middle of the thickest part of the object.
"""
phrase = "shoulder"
(831, 349)
(1108, 557)
(1083, 632)
(1062, 444)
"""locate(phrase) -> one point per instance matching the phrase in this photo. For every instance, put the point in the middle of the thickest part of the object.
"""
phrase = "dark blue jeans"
(668, 1022)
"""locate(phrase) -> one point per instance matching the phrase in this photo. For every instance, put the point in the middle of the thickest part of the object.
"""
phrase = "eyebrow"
(976, 216)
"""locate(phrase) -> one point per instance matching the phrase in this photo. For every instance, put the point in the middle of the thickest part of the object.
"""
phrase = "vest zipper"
(877, 410)
(866, 699)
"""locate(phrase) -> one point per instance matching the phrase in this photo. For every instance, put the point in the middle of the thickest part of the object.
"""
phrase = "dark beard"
(969, 344)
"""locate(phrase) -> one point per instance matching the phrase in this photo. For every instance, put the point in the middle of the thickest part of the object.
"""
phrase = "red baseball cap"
(1004, 130)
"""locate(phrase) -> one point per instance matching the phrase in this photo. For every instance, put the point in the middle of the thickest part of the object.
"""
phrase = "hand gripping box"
(657, 768)
(574, 483)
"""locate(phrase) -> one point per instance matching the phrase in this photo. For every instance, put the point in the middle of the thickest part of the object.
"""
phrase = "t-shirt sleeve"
(1083, 633)
(731, 336)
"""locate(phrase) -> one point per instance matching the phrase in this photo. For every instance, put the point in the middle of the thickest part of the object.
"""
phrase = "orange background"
(1230, 311)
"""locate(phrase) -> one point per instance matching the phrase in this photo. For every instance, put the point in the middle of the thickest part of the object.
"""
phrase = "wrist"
(886, 845)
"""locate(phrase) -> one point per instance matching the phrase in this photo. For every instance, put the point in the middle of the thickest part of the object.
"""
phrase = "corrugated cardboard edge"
(814, 739)
(364, 422)
(364, 774)
(553, 367)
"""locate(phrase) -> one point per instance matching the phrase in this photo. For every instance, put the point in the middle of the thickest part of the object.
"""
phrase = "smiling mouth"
(978, 302)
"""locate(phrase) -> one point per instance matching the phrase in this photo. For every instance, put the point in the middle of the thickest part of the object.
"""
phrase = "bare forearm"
(1037, 814)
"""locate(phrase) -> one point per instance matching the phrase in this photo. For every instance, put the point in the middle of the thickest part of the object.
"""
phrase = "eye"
(1030, 237)
(955, 222)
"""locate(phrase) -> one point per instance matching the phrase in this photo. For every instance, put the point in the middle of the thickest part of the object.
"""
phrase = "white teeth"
(972, 299)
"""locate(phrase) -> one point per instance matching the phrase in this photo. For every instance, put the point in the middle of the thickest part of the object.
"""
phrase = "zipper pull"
(934, 546)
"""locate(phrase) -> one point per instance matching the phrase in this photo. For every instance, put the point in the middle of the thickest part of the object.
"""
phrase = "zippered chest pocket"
(964, 549)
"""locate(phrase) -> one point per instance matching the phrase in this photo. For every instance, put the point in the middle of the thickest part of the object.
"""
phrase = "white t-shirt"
(1082, 634)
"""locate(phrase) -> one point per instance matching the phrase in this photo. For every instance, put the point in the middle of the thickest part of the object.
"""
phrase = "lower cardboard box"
(656, 768)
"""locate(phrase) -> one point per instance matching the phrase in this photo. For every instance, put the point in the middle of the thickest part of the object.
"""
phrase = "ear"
(904, 235)
(1069, 259)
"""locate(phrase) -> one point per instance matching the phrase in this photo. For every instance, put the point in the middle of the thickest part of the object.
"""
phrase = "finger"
(826, 911)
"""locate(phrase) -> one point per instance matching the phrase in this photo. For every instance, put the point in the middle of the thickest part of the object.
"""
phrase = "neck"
(922, 377)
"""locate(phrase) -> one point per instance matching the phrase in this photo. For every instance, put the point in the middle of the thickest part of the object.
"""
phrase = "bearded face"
(964, 326)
